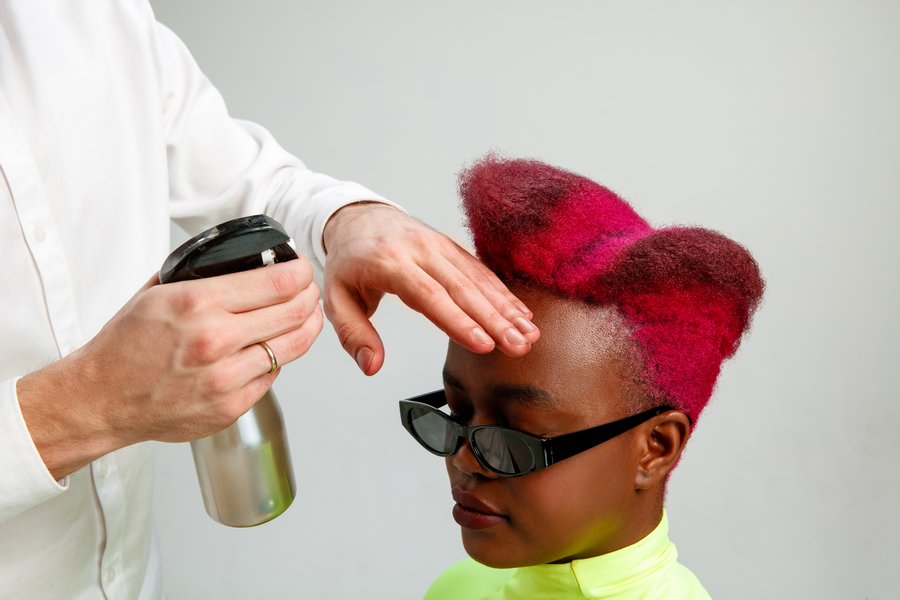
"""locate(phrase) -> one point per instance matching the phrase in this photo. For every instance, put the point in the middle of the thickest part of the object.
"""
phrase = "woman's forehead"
(572, 329)
(577, 357)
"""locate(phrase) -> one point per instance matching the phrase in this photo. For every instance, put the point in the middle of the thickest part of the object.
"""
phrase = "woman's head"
(581, 374)
(631, 317)
(687, 294)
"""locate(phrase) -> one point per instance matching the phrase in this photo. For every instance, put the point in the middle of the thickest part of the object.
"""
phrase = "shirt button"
(110, 575)
(40, 234)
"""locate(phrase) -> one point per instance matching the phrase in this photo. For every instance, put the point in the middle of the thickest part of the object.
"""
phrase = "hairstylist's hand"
(375, 248)
(178, 362)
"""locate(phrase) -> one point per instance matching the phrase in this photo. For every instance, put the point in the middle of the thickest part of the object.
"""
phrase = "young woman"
(558, 460)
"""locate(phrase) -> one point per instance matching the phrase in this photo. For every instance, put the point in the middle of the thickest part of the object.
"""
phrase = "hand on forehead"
(581, 364)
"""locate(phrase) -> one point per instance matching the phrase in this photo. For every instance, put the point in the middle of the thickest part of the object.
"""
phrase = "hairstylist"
(107, 131)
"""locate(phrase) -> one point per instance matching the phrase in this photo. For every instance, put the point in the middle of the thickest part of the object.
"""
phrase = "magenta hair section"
(687, 293)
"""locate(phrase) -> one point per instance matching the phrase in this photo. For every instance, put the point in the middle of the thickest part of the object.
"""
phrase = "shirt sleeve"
(24, 479)
(221, 168)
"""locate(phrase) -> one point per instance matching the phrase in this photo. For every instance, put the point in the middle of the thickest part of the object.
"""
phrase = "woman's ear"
(661, 442)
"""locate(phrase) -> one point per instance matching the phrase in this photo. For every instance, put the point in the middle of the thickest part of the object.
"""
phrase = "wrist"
(346, 215)
(62, 420)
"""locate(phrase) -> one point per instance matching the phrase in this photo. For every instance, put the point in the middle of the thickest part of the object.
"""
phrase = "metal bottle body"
(245, 471)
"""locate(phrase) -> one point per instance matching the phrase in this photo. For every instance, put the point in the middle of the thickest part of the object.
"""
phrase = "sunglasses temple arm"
(565, 446)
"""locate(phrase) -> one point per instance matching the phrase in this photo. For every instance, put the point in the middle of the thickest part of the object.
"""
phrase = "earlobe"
(663, 440)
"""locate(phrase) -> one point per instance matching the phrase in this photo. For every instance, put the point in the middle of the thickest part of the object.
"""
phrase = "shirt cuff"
(24, 479)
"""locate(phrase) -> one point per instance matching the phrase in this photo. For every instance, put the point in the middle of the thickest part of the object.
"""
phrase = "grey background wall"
(777, 123)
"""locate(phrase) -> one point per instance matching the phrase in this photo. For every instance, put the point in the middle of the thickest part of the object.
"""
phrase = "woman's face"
(580, 507)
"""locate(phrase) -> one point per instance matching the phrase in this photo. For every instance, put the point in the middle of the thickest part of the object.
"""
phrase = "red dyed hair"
(686, 293)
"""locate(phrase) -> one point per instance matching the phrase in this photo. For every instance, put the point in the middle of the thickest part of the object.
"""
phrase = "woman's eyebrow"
(527, 394)
(452, 381)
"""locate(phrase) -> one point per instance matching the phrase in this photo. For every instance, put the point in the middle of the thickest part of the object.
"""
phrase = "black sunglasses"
(504, 451)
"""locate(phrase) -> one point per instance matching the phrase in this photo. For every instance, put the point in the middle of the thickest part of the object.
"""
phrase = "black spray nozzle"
(237, 245)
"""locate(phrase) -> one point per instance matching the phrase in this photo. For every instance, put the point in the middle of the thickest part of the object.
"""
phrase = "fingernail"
(524, 325)
(481, 336)
(363, 359)
(514, 337)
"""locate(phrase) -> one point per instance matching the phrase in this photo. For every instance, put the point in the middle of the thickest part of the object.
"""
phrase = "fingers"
(248, 373)
(494, 289)
(180, 361)
(252, 362)
(221, 315)
(455, 304)
(373, 249)
(349, 315)
(292, 345)
(154, 280)
(272, 321)
(295, 324)
(481, 294)
(247, 290)
(468, 302)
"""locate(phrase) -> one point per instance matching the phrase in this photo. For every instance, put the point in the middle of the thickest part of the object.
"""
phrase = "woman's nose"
(464, 460)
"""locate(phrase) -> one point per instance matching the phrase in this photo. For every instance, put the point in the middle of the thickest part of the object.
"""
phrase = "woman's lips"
(473, 513)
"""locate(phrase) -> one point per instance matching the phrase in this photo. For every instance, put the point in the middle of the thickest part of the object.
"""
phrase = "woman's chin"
(496, 554)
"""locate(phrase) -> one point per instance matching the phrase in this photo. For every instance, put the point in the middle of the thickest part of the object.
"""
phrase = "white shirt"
(107, 131)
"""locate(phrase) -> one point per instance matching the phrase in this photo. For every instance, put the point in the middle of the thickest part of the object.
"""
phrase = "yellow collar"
(605, 575)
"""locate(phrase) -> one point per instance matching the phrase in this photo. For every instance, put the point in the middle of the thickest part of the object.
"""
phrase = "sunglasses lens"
(433, 429)
(504, 452)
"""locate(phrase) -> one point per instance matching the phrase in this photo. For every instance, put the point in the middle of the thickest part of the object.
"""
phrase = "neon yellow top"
(646, 570)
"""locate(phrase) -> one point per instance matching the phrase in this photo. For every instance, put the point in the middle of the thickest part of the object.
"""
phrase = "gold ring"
(271, 354)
